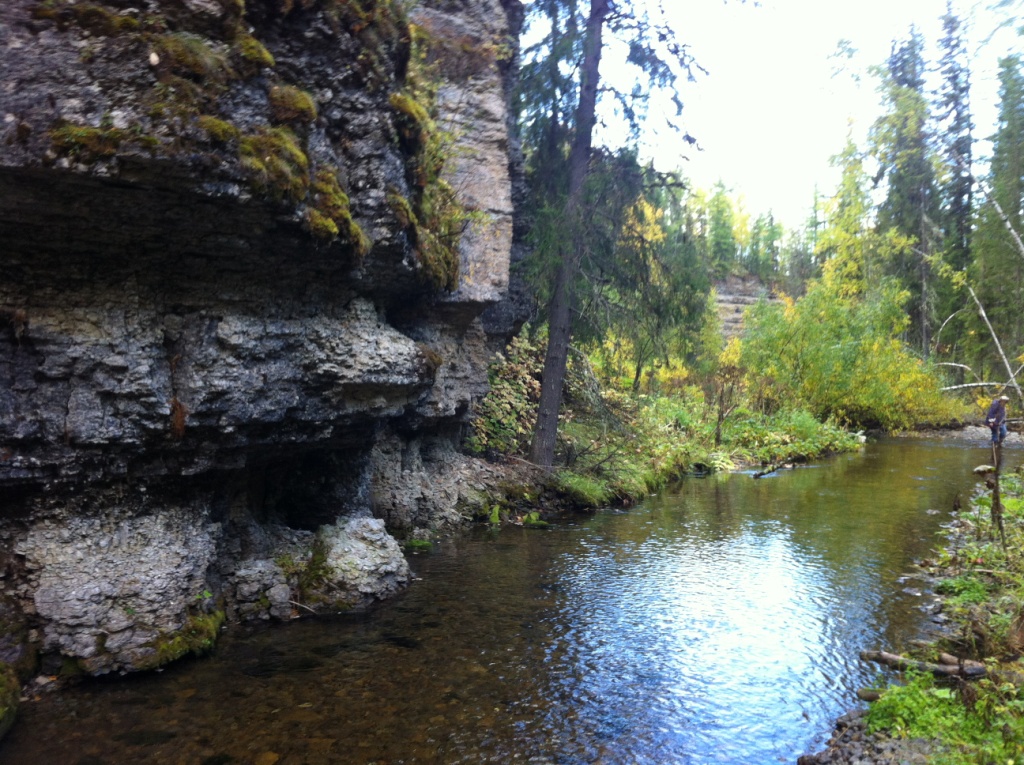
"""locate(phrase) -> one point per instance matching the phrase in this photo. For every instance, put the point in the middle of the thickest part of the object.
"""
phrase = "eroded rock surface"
(212, 401)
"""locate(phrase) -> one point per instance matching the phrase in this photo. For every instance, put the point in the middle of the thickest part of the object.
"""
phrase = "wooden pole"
(997, 503)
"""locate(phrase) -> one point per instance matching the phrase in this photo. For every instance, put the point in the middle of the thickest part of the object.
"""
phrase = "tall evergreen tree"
(799, 263)
(762, 258)
(955, 126)
(910, 208)
(722, 245)
(565, 71)
(998, 267)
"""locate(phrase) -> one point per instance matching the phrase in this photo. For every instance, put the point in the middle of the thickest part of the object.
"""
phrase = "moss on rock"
(194, 56)
(434, 217)
(290, 104)
(197, 636)
(218, 129)
(275, 163)
(91, 143)
(330, 216)
(93, 18)
(250, 55)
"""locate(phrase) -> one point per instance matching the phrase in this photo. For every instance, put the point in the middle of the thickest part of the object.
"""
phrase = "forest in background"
(897, 300)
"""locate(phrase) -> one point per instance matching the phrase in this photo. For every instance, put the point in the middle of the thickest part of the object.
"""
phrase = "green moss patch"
(250, 55)
(434, 218)
(329, 217)
(290, 104)
(275, 163)
(218, 129)
(194, 56)
(198, 636)
(93, 18)
(91, 143)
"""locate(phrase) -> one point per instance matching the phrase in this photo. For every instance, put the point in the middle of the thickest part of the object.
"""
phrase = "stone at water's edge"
(361, 563)
(200, 401)
(105, 587)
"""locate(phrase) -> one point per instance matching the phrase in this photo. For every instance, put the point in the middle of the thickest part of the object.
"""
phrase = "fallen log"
(972, 670)
(773, 468)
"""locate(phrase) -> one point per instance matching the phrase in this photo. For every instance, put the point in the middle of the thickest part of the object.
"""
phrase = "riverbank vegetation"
(982, 581)
(617, 444)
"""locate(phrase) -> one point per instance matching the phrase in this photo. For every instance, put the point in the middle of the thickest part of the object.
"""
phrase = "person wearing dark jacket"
(996, 419)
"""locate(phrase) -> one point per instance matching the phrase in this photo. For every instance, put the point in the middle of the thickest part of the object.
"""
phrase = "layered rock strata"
(228, 374)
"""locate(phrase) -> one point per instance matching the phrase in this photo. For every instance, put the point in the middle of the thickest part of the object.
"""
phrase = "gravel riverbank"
(851, 744)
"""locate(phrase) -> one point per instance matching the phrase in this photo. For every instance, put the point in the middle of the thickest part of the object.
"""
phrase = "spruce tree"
(910, 208)
(998, 269)
(955, 145)
(559, 109)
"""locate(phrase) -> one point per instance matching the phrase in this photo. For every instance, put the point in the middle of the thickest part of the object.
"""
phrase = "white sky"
(770, 112)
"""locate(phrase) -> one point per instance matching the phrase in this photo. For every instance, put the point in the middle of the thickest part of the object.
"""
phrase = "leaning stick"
(995, 338)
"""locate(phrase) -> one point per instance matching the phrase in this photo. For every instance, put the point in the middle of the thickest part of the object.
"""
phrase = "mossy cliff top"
(281, 105)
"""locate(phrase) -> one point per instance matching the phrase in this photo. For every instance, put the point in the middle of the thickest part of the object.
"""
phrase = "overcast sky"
(771, 112)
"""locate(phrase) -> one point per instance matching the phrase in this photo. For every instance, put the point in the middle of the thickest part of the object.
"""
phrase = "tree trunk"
(542, 448)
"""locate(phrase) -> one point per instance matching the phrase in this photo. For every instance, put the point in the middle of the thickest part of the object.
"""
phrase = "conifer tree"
(722, 243)
(910, 208)
(998, 269)
(560, 102)
(955, 147)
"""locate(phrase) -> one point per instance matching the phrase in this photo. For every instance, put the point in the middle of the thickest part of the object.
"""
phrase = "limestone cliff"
(240, 311)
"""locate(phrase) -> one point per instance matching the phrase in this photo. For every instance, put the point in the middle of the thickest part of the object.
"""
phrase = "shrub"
(841, 359)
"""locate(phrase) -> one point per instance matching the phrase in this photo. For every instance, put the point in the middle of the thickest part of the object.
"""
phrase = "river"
(719, 623)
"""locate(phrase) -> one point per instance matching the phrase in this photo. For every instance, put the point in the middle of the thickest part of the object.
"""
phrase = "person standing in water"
(996, 419)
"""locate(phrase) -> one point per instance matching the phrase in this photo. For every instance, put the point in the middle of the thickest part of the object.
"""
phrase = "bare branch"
(975, 385)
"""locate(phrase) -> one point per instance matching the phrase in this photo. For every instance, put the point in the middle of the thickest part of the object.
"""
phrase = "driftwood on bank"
(971, 670)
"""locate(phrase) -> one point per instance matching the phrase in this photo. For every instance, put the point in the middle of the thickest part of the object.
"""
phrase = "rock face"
(225, 357)
(733, 296)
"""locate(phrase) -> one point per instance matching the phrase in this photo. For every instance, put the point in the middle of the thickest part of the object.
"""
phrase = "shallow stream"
(719, 623)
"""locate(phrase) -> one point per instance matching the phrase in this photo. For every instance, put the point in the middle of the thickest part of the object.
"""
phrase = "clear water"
(717, 624)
